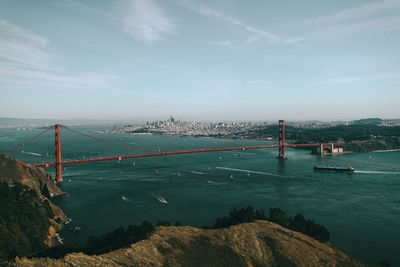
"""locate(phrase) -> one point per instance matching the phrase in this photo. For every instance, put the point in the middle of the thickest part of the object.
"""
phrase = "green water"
(360, 210)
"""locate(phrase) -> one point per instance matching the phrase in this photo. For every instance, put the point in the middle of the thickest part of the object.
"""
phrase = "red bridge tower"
(58, 161)
(282, 143)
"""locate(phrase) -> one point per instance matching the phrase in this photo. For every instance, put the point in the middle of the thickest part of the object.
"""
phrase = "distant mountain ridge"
(16, 122)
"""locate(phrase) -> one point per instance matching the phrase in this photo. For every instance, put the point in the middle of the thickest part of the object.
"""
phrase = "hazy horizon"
(144, 120)
(200, 60)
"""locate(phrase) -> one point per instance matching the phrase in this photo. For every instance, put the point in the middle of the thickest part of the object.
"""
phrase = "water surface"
(360, 210)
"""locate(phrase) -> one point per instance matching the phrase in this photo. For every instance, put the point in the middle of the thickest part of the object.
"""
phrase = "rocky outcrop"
(15, 171)
(259, 243)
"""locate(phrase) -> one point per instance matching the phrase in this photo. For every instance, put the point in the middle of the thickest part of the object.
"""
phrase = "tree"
(278, 216)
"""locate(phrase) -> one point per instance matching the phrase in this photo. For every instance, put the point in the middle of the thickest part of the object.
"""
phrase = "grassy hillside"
(24, 221)
(28, 218)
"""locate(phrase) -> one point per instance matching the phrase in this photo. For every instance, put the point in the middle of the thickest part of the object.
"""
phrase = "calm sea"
(360, 210)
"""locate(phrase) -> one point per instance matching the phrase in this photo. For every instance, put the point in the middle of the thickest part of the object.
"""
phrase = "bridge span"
(58, 163)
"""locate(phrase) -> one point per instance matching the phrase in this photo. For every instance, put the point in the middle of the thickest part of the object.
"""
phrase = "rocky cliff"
(259, 243)
(15, 171)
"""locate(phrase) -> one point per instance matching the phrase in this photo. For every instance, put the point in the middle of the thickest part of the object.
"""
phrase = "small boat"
(334, 169)
(68, 221)
(59, 239)
(124, 198)
(162, 200)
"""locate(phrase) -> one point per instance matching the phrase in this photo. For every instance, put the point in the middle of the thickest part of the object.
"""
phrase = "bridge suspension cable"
(96, 138)
(28, 140)
(58, 163)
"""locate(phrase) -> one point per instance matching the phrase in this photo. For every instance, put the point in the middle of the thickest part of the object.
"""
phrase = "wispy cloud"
(256, 32)
(365, 10)
(372, 26)
(74, 4)
(273, 38)
(21, 46)
(27, 60)
(144, 20)
(210, 12)
(19, 76)
(370, 18)
(353, 79)
(227, 44)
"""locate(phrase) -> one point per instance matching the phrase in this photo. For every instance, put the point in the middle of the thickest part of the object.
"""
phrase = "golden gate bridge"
(59, 163)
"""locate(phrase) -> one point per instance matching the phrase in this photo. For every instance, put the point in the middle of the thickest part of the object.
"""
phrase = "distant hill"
(15, 122)
(33, 123)
(369, 121)
(259, 243)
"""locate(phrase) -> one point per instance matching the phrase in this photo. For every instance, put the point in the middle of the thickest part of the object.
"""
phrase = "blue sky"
(200, 60)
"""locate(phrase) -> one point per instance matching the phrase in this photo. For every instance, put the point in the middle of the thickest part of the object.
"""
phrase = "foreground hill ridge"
(259, 243)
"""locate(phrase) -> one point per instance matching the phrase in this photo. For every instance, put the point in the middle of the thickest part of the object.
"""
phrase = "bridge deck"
(72, 162)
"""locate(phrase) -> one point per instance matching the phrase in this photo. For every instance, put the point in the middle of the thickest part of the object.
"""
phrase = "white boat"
(59, 239)
(162, 200)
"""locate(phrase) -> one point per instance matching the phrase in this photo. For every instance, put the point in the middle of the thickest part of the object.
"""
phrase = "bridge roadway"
(81, 161)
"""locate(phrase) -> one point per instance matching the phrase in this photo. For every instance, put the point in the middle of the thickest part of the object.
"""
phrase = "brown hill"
(15, 171)
(259, 243)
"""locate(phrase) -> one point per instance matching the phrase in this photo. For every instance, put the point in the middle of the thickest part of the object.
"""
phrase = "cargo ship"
(334, 169)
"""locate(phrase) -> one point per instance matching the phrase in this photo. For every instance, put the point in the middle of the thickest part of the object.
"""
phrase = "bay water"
(361, 210)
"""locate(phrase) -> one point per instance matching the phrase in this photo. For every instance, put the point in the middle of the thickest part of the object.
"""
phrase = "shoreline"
(249, 138)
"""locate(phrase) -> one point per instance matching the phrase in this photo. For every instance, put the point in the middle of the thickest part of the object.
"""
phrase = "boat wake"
(126, 199)
(158, 197)
(32, 153)
(149, 179)
(215, 183)
(377, 172)
(194, 172)
(255, 172)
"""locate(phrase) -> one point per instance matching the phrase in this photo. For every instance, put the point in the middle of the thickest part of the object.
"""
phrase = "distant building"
(329, 149)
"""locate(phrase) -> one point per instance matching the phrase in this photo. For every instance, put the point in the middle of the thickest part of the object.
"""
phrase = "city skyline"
(200, 60)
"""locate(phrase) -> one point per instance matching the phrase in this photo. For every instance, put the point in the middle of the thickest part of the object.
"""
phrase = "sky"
(200, 60)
